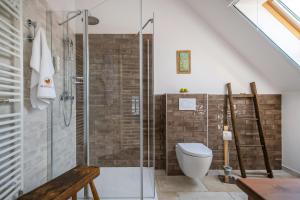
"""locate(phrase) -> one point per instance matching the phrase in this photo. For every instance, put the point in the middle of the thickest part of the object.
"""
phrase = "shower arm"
(145, 25)
(74, 16)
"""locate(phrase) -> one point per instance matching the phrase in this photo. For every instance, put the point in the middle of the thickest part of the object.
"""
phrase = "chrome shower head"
(93, 20)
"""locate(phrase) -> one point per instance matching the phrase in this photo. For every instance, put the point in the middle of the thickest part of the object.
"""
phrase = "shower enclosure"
(106, 98)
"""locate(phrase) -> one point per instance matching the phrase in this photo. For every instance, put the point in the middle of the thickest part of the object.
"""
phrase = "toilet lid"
(195, 149)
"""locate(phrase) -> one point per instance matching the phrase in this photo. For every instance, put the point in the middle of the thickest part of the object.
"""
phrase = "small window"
(287, 12)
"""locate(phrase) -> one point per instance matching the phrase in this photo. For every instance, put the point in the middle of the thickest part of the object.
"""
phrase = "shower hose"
(67, 116)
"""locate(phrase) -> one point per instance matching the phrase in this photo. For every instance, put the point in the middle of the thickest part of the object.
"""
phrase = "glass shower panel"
(114, 119)
(149, 107)
(62, 112)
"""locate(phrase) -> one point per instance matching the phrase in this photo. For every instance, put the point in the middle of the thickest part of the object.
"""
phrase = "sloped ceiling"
(249, 43)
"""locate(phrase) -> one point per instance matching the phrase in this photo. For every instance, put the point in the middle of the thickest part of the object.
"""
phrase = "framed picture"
(183, 61)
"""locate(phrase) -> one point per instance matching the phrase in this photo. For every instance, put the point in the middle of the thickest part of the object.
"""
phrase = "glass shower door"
(114, 101)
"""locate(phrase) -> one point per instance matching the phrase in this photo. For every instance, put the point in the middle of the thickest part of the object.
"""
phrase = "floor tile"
(282, 174)
(204, 196)
(160, 173)
(178, 184)
(238, 195)
(168, 196)
(210, 188)
(213, 184)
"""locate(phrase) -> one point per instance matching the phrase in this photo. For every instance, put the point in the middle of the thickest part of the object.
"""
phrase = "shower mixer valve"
(65, 96)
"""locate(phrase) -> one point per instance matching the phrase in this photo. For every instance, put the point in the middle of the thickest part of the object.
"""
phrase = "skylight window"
(287, 12)
(292, 6)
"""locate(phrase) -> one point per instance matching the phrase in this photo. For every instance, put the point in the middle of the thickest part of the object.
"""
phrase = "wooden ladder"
(238, 146)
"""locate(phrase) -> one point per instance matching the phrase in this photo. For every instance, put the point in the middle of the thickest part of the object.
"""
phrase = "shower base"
(123, 183)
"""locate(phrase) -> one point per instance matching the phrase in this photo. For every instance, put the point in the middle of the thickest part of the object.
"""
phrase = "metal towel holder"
(31, 26)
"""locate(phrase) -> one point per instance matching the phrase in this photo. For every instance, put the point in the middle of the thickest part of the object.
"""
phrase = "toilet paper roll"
(227, 135)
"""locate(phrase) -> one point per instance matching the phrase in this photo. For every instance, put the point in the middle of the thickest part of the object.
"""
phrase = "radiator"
(11, 99)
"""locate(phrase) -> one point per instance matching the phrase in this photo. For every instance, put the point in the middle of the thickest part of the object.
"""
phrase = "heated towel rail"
(11, 99)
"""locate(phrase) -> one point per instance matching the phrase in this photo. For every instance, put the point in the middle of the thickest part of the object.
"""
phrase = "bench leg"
(74, 197)
(94, 191)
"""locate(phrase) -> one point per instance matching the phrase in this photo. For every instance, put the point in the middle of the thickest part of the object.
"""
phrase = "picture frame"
(183, 62)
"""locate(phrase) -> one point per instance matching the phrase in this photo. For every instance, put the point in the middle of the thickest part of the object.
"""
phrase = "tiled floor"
(210, 188)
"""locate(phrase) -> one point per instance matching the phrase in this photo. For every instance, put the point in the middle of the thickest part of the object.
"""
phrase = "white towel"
(42, 89)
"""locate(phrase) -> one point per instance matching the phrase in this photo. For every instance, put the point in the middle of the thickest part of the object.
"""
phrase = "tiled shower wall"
(189, 126)
(64, 138)
(114, 81)
(35, 129)
(37, 126)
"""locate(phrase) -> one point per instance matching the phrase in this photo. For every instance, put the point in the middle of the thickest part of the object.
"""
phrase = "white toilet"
(194, 159)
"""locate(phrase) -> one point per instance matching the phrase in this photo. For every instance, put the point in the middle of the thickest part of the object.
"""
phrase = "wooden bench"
(271, 189)
(66, 186)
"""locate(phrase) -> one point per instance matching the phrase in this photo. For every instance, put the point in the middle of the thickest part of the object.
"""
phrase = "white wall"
(178, 27)
(116, 16)
(214, 61)
(291, 130)
(59, 5)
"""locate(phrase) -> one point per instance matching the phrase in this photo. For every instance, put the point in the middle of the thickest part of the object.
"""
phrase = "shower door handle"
(135, 105)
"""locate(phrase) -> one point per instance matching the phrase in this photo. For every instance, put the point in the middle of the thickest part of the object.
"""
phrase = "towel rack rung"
(9, 67)
(15, 190)
(9, 52)
(10, 26)
(9, 93)
(8, 180)
(2, 116)
(3, 130)
(9, 142)
(9, 73)
(11, 168)
(8, 79)
(6, 164)
(10, 45)
(9, 4)
(9, 135)
(9, 87)
(10, 122)
(14, 35)
(11, 12)
(10, 39)
(11, 155)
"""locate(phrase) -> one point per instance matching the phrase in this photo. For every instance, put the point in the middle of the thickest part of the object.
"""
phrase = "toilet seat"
(195, 150)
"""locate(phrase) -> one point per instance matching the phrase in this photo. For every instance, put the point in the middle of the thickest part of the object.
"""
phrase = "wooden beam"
(235, 131)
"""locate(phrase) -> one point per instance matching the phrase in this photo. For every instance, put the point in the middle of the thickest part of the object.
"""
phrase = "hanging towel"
(42, 89)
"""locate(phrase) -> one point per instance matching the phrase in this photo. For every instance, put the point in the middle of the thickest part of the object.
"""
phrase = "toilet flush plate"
(187, 103)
